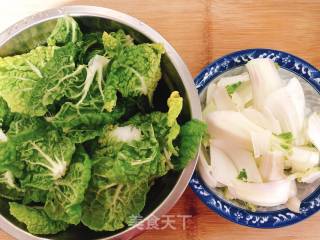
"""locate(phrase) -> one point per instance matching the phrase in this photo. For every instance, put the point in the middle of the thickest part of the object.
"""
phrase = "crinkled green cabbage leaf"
(115, 42)
(36, 220)
(189, 141)
(9, 188)
(142, 146)
(134, 72)
(66, 30)
(109, 205)
(46, 158)
(32, 81)
(65, 197)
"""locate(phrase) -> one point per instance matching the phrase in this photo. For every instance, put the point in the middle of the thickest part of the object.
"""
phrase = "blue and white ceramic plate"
(309, 77)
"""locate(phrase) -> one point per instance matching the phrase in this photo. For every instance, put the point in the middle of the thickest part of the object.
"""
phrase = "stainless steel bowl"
(33, 31)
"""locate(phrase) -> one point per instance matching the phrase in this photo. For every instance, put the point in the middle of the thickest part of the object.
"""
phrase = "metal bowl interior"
(34, 30)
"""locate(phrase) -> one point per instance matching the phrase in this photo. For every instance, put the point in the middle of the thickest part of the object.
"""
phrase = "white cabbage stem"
(3, 136)
(287, 105)
(268, 194)
(126, 133)
(56, 166)
(310, 176)
(303, 158)
(271, 166)
(313, 129)
(265, 121)
(258, 128)
(222, 99)
(261, 142)
(8, 178)
(209, 97)
(95, 69)
(241, 158)
(223, 168)
(232, 126)
(264, 78)
(230, 80)
(293, 204)
(206, 172)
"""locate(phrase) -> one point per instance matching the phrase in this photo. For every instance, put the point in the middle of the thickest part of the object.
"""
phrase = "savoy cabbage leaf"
(134, 72)
(9, 188)
(41, 164)
(83, 117)
(34, 195)
(142, 146)
(109, 205)
(32, 81)
(115, 42)
(82, 123)
(166, 129)
(134, 151)
(36, 220)
(65, 197)
(66, 30)
(189, 141)
(90, 46)
(9, 160)
(5, 115)
(22, 129)
(128, 156)
(46, 158)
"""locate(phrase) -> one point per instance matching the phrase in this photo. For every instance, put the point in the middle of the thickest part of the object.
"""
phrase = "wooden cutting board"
(202, 31)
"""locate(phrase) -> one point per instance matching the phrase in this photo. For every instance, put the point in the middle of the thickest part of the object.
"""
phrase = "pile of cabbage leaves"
(80, 140)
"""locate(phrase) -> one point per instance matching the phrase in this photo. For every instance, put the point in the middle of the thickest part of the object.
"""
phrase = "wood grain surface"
(202, 31)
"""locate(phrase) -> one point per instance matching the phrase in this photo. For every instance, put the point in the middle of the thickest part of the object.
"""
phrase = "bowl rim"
(260, 219)
(178, 63)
